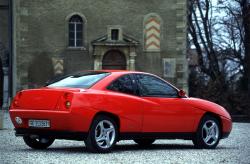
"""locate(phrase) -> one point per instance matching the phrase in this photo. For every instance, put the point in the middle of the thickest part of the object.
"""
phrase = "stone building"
(55, 37)
(4, 51)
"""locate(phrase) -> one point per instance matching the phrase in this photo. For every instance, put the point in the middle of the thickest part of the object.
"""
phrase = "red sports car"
(103, 107)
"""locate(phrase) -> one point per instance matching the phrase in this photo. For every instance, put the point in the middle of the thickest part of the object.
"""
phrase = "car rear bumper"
(52, 133)
(77, 120)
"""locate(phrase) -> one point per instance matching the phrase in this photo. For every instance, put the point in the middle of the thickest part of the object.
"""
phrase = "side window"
(123, 84)
(154, 87)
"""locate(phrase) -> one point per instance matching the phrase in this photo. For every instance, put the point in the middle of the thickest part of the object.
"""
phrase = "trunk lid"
(41, 99)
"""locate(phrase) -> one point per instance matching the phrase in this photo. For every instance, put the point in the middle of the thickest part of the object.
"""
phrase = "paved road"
(235, 149)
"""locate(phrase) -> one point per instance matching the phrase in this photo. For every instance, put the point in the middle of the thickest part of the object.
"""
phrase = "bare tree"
(200, 29)
(237, 23)
(219, 31)
(245, 8)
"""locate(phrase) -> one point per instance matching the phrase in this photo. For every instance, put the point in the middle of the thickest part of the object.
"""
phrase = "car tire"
(144, 142)
(102, 135)
(208, 134)
(38, 142)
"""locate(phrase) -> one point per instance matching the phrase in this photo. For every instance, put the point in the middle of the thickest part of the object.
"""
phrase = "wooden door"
(114, 60)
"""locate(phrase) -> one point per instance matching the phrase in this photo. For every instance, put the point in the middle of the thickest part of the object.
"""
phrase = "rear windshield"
(79, 80)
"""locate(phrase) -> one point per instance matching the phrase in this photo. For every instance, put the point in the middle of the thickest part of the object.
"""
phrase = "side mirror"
(181, 93)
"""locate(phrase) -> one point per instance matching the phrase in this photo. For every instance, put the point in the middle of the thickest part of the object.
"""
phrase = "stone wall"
(4, 51)
(41, 27)
(4, 35)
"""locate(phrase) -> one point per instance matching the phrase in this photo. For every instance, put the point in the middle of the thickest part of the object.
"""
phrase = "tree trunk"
(245, 6)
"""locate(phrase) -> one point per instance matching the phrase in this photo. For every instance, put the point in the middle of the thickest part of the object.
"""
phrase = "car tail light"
(67, 104)
(65, 101)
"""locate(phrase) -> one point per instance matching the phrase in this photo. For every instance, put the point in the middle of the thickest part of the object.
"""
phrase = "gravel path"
(235, 149)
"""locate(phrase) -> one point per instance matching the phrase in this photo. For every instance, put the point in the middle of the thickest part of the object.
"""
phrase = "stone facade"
(4, 13)
(149, 35)
(4, 52)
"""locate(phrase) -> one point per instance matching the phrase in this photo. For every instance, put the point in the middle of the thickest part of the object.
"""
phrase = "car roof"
(118, 71)
(114, 74)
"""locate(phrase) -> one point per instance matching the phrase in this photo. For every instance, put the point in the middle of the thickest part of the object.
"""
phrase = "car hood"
(208, 106)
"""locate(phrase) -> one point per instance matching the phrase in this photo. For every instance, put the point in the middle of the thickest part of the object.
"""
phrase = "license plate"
(39, 123)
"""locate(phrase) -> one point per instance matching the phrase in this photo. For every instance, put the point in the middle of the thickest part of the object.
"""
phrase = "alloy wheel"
(105, 134)
(210, 132)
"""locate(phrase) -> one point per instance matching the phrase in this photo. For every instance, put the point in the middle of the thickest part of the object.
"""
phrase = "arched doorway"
(114, 59)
